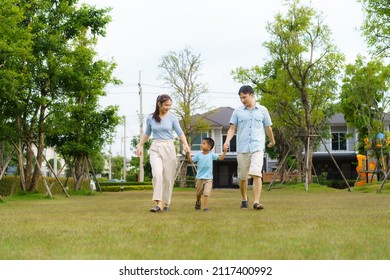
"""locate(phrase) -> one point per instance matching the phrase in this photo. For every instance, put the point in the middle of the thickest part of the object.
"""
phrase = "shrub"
(126, 188)
(11, 184)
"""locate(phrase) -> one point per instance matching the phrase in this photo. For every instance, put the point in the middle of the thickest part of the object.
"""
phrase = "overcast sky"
(227, 34)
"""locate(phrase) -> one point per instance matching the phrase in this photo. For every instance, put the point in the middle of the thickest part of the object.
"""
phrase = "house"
(340, 147)
(219, 123)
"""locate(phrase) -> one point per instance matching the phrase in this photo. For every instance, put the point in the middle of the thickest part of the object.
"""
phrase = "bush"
(11, 184)
(126, 188)
(106, 184)
(340, 184)
(322, 179)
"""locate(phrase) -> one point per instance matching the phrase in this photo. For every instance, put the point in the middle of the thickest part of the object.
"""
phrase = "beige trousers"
(163, 162)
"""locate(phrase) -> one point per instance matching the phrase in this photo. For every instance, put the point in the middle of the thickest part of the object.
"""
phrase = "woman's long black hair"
(160, 99)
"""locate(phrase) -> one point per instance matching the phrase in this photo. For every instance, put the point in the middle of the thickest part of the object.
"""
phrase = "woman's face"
(165, 106)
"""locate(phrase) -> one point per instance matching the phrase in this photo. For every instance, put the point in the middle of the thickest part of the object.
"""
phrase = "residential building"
(341, 146)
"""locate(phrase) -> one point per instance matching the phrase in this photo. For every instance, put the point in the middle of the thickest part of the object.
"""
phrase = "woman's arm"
(140, 146)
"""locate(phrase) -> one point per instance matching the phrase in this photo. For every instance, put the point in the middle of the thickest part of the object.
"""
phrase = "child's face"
(204, 146)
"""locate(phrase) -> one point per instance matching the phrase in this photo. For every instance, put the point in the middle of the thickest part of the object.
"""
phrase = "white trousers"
(163, 162)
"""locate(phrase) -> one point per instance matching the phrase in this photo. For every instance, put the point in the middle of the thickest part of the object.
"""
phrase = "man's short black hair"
(245, 89)
(209, 141)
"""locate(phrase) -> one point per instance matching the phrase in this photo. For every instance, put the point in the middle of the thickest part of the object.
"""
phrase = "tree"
(15, 55)
(376, 26)
(299, 81)
(98, 162)
(180, 71)
(117, 167)
(62, 33)
(365, 99)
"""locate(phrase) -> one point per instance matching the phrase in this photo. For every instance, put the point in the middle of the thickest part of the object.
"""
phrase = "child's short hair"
(209, 141)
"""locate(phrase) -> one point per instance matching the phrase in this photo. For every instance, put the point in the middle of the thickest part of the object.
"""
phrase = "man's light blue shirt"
(163, 130)
(204, 165)
(250, 128)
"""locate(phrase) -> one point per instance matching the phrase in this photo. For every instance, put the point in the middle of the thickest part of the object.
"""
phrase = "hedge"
(11, 184)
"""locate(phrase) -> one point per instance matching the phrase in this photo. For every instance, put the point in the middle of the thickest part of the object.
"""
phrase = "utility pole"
(109, 163)
(124, 149)
(141, 131)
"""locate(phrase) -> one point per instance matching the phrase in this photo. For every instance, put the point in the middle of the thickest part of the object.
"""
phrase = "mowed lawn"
(321, 224)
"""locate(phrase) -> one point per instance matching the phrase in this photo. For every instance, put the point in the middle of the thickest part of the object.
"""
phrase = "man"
(251, 121)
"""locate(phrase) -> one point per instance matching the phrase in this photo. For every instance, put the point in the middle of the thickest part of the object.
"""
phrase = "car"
(113, 181)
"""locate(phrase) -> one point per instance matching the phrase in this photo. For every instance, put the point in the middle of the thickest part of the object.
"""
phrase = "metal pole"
(307, 165)
(141, 131)
(109, 164)
(124, 149)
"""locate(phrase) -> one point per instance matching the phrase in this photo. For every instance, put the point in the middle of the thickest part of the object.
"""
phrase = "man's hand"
(271, 144)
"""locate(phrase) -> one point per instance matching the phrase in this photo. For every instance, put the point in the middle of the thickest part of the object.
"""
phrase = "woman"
(162, 151)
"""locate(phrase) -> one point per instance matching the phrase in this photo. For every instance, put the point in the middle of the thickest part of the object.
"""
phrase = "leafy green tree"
(98, 162)
(365, 99)
(181, 72)
(376, 26)
(60, 36)
(299, 81)
(16, 43)
(117, 167)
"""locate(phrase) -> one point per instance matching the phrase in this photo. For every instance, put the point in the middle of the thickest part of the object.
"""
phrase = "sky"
(226, 34)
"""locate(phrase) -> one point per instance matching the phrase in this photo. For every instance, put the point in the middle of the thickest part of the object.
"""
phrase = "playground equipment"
(366, 170)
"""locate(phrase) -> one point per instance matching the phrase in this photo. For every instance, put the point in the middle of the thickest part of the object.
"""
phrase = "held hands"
(226, 146)
(187, 149)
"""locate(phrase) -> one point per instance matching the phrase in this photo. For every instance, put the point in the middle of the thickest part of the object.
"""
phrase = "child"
(204, 176)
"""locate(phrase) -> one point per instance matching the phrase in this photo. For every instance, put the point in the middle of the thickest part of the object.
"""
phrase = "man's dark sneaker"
(206, 210)
(197, 205)
(258, 206)
(155, 209)
(166, 209)
(244, 204)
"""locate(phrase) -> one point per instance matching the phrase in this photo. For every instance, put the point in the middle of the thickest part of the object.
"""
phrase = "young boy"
(204, 175)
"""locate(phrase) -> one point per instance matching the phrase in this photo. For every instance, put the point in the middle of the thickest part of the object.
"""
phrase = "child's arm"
(189, 159)
(222, 156)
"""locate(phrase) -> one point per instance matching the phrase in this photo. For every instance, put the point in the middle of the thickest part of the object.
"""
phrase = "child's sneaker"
(244, 204)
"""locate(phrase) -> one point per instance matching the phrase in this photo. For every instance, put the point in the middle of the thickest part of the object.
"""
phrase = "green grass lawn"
(321, 224)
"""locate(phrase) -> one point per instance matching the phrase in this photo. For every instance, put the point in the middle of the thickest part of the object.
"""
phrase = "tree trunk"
(19, 148)
(78, 172)
(5, 164)
(39, 145)
(183, 174)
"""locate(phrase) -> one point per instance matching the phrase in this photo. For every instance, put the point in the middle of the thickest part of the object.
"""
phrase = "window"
(339, 142)
(233, 143)
(197, 140)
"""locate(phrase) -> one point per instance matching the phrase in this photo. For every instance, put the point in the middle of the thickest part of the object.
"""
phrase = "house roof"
(219, 116)
(337, 118)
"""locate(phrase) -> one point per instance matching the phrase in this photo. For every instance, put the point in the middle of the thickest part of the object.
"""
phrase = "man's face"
(246, 98)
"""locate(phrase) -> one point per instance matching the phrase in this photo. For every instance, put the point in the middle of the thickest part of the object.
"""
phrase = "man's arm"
(229, 136)
(270, 134)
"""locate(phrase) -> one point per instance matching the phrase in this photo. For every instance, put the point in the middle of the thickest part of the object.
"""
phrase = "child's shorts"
(203, 186)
